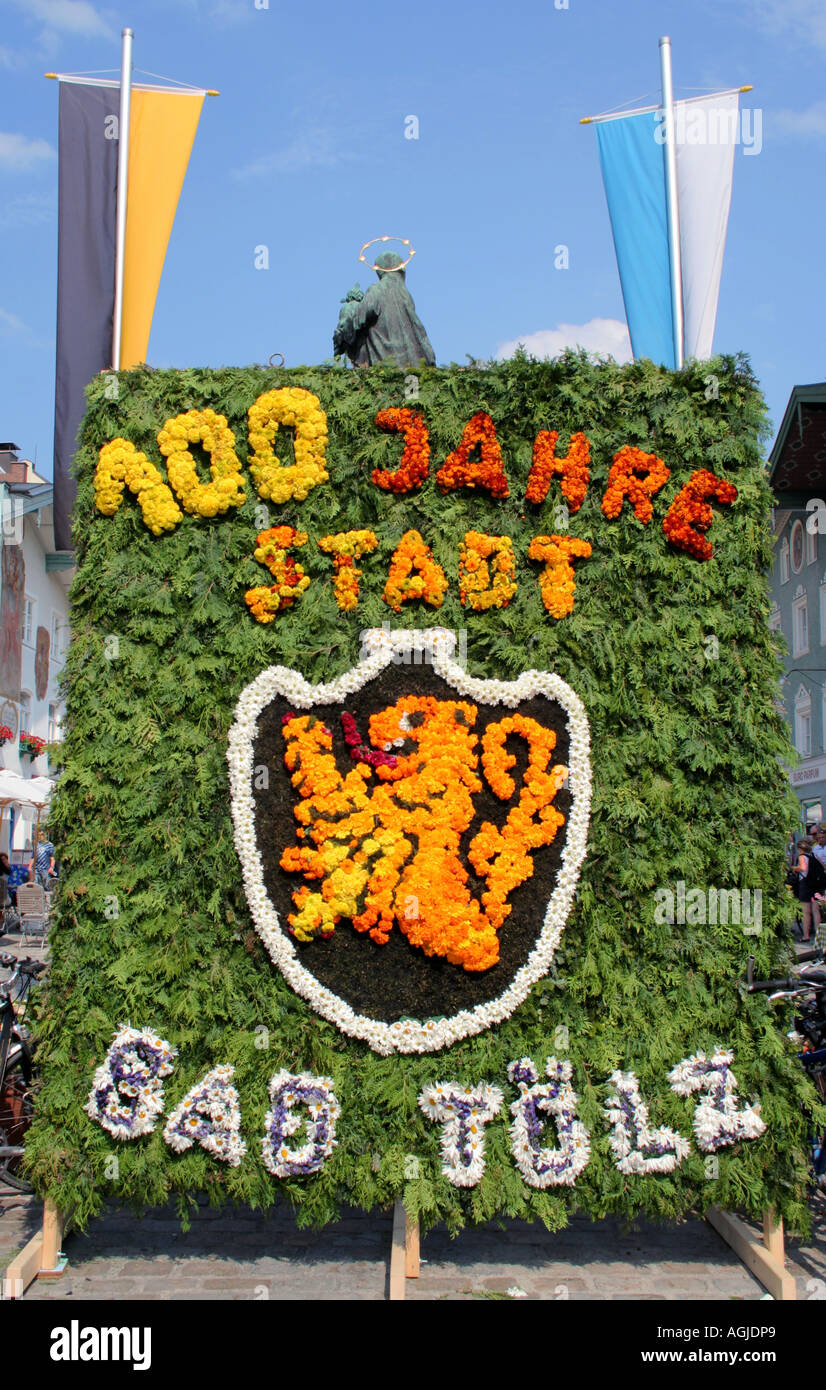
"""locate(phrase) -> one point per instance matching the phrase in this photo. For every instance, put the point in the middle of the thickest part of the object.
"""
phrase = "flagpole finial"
(50, 74)
(124, 32)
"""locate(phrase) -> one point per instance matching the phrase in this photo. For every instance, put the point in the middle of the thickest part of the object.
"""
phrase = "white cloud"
(29, 210)
(230, 11)
(8, 58)
(19, 152)
(597, 335)
(803, 20)
(12, 323)
(67, 17)
(223, 12)
(809, 122)
(13, 327)
(319, 148)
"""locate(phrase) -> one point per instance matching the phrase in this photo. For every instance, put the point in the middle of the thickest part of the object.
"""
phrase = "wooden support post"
(773, 1236)
(52, 1264)
(40, 1257)
(411, 1247)
(764, 1258)
(398, 1259)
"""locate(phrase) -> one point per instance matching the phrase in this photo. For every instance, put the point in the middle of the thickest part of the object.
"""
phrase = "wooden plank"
(397, 1253)
(24, 1268)
(411, 1247)
(762, 1262)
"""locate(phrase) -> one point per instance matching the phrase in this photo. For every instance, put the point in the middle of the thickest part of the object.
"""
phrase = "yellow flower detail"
(290, 580)
(346, 547)
(487, 571)
(299, 410)
(211, 431)
(121, 465)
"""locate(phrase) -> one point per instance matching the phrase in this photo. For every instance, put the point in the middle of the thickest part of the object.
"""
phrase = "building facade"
(798, 587)
(34, 633)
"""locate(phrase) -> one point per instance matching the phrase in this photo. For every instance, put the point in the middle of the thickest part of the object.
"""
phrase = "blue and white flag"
(632, 154)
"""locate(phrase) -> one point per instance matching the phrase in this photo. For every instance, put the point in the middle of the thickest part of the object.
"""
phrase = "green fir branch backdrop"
(687, 786)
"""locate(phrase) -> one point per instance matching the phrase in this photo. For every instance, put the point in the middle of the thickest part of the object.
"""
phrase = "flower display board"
(421, 799)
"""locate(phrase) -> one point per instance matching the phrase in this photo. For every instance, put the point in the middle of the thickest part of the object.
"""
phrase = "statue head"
(389, 261)
(354, 295)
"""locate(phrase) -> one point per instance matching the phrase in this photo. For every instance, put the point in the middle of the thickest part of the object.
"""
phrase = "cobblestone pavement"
(241, 1255)
(14, 943)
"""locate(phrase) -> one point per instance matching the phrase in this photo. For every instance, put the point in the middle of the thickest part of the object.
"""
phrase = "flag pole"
(672, 204)
(123, 182)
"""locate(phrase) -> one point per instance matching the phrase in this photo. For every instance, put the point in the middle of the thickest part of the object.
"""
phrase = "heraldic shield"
(410, 836)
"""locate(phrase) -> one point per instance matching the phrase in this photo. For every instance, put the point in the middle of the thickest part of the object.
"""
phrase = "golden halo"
(388, 270)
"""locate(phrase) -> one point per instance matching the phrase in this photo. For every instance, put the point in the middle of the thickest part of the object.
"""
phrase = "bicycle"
(809, 987)
(16, 1067)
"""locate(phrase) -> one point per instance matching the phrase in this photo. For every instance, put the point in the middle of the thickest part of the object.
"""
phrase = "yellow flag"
(162, 129)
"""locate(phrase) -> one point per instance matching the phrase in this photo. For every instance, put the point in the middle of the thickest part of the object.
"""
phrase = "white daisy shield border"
(381, 648)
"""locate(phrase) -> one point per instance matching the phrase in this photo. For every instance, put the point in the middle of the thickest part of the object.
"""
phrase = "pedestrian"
(819, 850)
(41, 867)
(811, 880)
(792, 886)
(5, 895)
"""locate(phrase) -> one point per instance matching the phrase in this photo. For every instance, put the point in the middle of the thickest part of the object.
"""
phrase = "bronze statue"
(382, 325)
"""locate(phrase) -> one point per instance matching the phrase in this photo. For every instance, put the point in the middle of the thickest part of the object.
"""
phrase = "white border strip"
(657, 106)
(179, 89)
(406, 1035)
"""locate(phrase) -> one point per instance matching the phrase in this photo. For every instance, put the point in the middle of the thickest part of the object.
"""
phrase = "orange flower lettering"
(573, 468)
(637, 476)
(459, 470)
(414, 574)
(557, 583)
(414, 464)
(690, 515)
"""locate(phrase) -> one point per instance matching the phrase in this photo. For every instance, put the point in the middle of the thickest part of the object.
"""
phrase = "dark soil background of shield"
(398, 980)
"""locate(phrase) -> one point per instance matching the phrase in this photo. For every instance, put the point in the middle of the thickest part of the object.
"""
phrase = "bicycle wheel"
(15, 1117)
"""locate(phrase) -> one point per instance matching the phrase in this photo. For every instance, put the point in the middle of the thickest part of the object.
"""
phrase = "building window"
(800, 626)
(25, 712)
(27, 625)
(803, 722)
(775, 624)
(55, 635)
(797, 547)
(56, 733)
(784, 561)
(811, 546)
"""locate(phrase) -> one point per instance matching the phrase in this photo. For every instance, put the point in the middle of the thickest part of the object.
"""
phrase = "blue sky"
(305, 152)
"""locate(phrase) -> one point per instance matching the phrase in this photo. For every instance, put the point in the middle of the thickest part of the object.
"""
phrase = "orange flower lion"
(388, 854)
